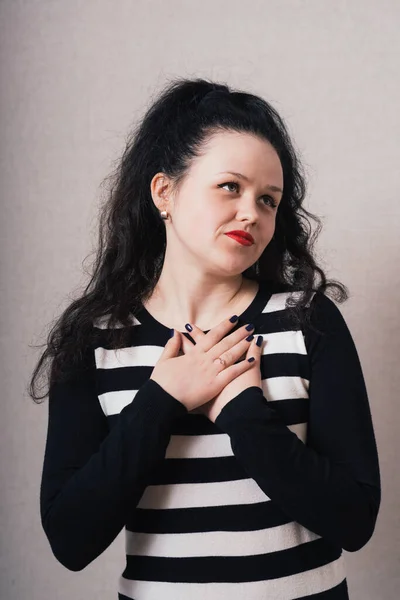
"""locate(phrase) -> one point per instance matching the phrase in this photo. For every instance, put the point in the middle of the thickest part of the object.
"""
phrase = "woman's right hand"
(198, 376)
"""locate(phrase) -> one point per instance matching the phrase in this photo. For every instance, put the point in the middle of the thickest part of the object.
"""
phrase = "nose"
(248, 210)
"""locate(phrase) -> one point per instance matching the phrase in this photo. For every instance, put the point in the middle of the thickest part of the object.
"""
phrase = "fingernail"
(251, 359)
(233, 318)
(189, 327)
(249, 338)
(171, 332)
(259, 340)
(250, 326)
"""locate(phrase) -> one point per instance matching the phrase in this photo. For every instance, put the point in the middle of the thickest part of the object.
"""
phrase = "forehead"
(243, 153)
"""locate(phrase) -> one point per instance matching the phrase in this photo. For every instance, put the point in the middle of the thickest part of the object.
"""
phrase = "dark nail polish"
(259, 340)
(171, 332)
(234, 319)
(251, 359)
(249, 338)
(189, 327)
(250, 326)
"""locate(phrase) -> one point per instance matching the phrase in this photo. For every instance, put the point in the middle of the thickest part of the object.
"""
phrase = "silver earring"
(164, 214)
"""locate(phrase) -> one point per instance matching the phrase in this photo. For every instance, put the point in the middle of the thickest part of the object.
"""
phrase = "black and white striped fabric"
(258, 505)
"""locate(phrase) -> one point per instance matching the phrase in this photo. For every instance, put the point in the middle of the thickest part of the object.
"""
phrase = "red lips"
(241, 233)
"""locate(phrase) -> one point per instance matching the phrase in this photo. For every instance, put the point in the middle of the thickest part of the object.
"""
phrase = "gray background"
(75, 75)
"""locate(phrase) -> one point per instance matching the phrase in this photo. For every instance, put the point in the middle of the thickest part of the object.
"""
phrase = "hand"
(198, 375)
(250, 377)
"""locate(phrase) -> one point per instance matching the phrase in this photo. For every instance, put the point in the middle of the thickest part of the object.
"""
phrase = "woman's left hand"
(249, 378)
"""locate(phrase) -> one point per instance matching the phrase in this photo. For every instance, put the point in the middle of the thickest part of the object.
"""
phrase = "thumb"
(173, 345)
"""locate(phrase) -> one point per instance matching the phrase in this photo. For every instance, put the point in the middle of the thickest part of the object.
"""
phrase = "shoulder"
(327, 330)
(325, 314)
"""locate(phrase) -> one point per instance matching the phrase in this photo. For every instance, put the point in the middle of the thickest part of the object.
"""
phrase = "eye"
(270, 199)
(229, 183)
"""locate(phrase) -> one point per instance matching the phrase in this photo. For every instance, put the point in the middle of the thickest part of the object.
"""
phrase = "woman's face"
(212, 202)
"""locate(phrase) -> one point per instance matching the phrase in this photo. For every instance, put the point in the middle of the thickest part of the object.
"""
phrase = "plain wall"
(75, 76)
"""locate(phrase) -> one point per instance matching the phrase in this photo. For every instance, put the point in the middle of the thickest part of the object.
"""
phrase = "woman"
(239, 453)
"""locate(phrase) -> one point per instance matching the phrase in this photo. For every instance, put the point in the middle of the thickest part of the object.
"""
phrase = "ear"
(160, 191)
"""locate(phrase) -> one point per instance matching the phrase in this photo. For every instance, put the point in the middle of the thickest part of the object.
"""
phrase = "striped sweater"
(258, 505)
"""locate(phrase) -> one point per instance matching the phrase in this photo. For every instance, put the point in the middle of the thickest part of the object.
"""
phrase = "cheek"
(197, 229)
(208, 222)
(204, 221)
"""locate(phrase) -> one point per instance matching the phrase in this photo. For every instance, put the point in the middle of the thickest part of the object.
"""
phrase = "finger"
(214, 335)
(229, 373)
(187, 345)
(195, 332)
(234, 344)
(259, 341)
(172, 346)
(255, 348)
(234, 353)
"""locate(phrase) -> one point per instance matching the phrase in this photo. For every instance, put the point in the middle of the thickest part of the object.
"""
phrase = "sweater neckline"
(259, 301)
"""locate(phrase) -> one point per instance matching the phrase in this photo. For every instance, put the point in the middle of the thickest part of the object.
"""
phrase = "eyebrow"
(273, 188)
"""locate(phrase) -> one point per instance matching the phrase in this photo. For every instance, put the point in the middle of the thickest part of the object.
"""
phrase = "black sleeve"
(331, 485)
(92, 477)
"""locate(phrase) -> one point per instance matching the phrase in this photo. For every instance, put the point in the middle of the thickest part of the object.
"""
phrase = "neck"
(202, 301)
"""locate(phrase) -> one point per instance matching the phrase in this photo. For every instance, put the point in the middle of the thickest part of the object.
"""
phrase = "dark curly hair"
(132, 238)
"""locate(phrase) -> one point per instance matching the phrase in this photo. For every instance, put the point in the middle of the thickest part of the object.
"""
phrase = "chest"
(284, 366)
